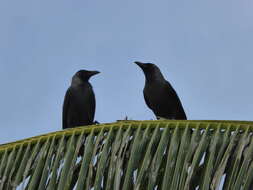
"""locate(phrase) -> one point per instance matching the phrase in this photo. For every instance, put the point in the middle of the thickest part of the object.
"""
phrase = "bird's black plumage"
(159, 95)
(79, 102)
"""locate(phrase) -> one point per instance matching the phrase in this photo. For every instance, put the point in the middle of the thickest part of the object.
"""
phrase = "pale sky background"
(204, 48)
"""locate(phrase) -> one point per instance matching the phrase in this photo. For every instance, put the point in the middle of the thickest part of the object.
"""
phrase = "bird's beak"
(141, 65)
(94, 73)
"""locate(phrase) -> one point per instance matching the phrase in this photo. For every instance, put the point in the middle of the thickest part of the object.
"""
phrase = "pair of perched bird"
(80, 103)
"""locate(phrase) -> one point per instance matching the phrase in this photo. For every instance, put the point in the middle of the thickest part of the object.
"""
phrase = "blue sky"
(204, 48)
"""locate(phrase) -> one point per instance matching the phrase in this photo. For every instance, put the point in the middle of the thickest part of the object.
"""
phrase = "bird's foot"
(161, 118)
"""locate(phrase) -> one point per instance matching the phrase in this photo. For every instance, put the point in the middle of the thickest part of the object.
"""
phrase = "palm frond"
(137, 155)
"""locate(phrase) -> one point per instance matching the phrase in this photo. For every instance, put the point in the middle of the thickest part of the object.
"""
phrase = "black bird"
(79, 102)
(159, 95)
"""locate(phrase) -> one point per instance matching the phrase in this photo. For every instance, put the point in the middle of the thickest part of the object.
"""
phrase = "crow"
(159, 95)
(79, 102)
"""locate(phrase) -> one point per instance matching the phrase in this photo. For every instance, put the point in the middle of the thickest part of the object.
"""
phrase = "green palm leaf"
(139, 155)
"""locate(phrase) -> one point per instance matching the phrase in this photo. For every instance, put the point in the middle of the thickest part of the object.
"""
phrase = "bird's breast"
(153, 93)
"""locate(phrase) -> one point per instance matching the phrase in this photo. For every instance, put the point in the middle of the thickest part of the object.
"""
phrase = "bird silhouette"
(79, 102)
(159, 95)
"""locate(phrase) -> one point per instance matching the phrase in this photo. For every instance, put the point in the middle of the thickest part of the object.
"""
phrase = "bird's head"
(151, 71)
(84, 75)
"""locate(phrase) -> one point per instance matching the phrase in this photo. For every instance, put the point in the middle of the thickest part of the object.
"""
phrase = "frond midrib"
(223, 124)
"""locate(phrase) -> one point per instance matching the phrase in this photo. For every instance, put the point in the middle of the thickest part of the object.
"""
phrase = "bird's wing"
(86, 104)
(176, 101)
(65, 109)
(146, 100)
(170, 90)
(92, 107)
